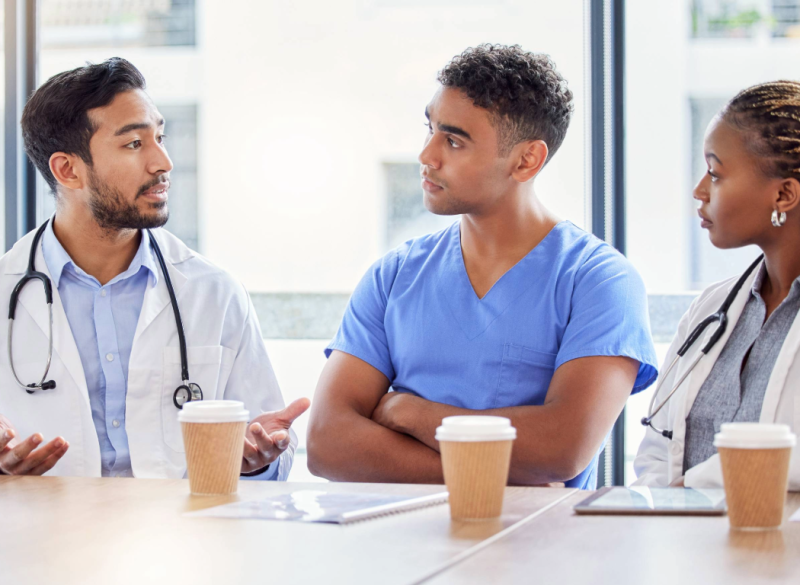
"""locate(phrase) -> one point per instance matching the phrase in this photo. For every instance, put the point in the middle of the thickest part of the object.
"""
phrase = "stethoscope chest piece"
(188, 392)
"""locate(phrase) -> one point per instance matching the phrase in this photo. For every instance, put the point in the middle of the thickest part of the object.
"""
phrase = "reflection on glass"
(110, 23)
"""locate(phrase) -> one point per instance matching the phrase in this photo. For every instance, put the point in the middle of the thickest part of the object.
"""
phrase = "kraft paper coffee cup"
(213, 435)
(476, 455)
(755, 472)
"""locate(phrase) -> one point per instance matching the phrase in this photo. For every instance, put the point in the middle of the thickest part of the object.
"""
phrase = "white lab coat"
(660, 460)
(226, 354)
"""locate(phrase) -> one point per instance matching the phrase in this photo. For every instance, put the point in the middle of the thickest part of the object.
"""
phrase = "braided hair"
(769, 115)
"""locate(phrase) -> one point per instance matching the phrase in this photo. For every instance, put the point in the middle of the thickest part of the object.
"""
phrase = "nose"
(160, 162)
(428, 157)
(700, 191)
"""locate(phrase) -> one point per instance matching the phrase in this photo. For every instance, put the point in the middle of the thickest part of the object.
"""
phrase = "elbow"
(324, 449)
(568, 469)
(572, 463)
(560, 467)
(317, 457)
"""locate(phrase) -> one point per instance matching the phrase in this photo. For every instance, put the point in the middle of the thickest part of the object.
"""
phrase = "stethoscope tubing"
(721, 317)
(187, 391)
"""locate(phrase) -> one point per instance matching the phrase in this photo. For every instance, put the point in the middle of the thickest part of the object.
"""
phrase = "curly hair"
(527, 97)
(56, 118)
(769, 115)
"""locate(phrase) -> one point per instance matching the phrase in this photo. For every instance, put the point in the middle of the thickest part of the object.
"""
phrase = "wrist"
(405, 414)
(256, 472)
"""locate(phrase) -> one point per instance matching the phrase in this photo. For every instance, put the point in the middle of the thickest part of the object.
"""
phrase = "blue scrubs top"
(416, 318)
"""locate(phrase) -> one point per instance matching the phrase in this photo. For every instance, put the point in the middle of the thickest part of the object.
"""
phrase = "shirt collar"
(57, 259)
(758, 281)
(761, 274)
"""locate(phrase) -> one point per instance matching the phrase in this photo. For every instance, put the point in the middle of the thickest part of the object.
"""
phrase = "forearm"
(349, 447)
(543, 452)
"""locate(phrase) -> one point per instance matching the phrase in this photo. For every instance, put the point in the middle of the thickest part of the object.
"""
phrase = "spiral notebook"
(320, 506)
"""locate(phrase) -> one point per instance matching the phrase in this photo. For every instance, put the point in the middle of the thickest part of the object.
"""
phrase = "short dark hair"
(769, 115)
(56, 119)
(528, 98)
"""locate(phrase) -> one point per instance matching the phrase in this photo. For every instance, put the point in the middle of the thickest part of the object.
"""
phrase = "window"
(158, 37)
(108, 23)
(310, 136)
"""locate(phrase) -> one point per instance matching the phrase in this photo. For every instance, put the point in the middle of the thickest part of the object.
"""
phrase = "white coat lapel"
(703, 369)
(156, 298)
(780, 371)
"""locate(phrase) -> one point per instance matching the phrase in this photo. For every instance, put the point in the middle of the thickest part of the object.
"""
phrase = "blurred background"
(294, 128)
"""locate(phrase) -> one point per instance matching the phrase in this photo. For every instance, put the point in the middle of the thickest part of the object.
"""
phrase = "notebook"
(320, 506)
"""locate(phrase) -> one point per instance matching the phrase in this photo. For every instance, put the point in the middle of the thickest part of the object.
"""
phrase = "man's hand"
(390, 409)
(268, 436)
(27, 457)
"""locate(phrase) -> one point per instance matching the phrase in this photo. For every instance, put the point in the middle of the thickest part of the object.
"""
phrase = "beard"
(113, 213)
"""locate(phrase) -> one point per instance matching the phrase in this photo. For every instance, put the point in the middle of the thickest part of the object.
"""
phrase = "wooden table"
(86, 531)
(562, 547)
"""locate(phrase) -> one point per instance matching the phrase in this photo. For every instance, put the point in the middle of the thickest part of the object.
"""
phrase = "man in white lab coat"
(99, 142)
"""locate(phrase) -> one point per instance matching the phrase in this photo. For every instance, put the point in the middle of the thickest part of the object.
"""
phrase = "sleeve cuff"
(270, 473)
(706, 475)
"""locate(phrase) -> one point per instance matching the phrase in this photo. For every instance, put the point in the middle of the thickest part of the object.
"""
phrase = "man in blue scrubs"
(510, 311)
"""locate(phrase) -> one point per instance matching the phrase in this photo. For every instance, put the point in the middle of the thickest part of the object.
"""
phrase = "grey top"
(732, 393)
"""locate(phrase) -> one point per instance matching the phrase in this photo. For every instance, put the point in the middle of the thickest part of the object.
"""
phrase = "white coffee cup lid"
(754, 436)
(475, 429)
(213, 411)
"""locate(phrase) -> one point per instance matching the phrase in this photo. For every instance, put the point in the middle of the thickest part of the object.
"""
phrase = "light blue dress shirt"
(103, 321)
(416, 318)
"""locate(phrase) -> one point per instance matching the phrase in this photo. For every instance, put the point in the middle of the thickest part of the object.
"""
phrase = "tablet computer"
(647, 500)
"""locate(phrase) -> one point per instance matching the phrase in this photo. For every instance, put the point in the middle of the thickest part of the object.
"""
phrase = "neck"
(511, 229)
(782, 263)
(99, 252)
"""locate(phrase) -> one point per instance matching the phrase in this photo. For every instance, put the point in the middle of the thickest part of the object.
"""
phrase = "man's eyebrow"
(454, 130)
(136, 126)
(714, 156)
(449, 129)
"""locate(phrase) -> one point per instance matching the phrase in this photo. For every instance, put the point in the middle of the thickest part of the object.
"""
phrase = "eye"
(453, 143)
(162, 138)
(712, 175)
(134, 145)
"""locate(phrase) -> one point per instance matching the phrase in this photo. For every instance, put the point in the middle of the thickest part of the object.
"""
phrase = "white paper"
(319, 506)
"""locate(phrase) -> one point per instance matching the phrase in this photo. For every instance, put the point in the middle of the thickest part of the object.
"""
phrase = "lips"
(429, 185)
(158, 191)
(705, 222)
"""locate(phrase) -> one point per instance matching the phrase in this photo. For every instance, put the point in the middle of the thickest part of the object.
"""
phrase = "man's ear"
(530, 159)
(788, 197)
(68, 169)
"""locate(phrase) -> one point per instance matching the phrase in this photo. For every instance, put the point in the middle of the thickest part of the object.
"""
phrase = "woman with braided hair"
(750, 195)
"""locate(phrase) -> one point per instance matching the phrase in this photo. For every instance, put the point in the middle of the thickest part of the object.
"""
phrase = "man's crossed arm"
(360, 432)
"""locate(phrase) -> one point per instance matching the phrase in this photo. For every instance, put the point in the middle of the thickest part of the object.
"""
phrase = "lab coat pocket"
(525, 376)
(209, 367)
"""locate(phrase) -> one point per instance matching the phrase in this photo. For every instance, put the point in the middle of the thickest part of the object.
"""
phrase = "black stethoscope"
(186, 392)
(721, 316)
